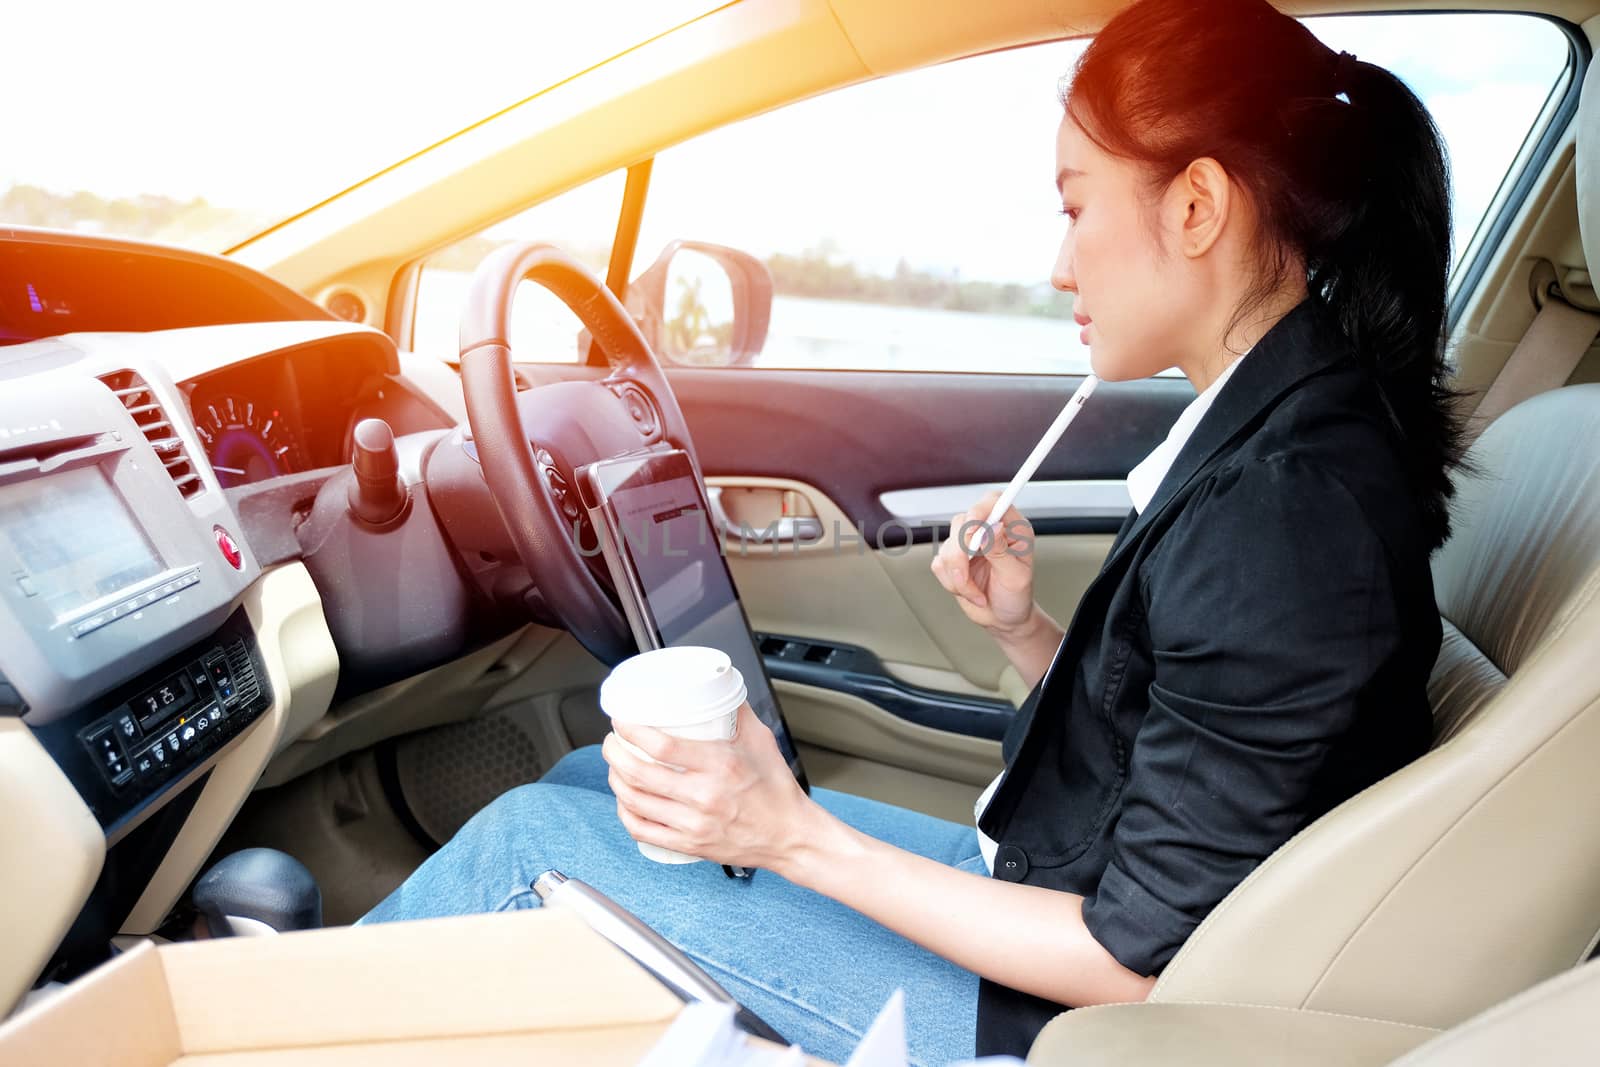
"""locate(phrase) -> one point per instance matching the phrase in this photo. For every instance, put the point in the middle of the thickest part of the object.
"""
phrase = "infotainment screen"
(671, 557)
(73, 539)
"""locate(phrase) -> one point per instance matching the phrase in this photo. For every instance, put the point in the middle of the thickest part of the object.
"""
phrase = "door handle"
(783, 529)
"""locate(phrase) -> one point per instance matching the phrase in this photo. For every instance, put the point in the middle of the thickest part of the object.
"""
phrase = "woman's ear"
(1204, 194)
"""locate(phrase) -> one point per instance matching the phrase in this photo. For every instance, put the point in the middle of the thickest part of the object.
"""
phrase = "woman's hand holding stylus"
(994, 588)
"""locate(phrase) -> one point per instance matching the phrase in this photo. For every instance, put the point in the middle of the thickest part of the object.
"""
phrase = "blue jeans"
(816, 971)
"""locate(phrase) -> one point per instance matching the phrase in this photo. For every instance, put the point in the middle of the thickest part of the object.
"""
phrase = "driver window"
(910, 223)
(582, 221)
(907, 223)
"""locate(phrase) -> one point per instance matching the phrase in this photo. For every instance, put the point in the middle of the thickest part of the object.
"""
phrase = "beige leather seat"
(1474, 873)
(1460, 880)
(1551, 1025)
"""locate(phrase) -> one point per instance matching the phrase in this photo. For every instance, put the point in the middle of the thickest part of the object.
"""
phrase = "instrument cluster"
(246, 440)
(284, 413)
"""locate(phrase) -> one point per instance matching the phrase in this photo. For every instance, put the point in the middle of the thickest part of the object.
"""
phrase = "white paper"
(704, 1035)
(885, 1042)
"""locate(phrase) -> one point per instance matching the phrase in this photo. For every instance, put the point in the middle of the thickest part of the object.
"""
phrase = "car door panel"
(845, 439)
(874, 456)
(849, 446)
(1064, 565)
(855, 435)
(887, 600)
(936, 795)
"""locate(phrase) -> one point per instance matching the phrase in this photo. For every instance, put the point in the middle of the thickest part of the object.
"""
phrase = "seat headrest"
(1589, 167)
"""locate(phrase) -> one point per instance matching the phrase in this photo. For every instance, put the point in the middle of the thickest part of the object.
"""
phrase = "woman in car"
(1272, 218)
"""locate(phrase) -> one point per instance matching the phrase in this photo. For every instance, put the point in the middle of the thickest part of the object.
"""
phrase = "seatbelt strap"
(1543, 360)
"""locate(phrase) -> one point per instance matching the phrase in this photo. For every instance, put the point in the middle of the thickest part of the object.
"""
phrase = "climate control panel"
(150, 738)
(127, 747)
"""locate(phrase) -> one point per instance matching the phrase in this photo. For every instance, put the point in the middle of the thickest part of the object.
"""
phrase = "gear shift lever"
(258, 891)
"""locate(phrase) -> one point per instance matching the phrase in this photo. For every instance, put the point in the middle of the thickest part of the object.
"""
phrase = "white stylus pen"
(1036, 457)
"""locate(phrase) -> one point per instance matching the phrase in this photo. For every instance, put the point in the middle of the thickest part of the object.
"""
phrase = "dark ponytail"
(1343, 164)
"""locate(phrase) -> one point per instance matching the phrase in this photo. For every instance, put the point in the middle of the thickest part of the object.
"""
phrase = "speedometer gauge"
(245, 442)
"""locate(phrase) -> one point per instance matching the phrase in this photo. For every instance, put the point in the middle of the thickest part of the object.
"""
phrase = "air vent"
(243, 671)
(135, 394)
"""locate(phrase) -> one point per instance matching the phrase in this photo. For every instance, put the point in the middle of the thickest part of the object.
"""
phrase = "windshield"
(199, 124)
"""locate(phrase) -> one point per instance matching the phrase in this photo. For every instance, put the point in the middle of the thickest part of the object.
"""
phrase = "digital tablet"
(654, 526)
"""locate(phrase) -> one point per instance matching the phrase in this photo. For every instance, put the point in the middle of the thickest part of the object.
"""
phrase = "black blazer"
(1255, 650)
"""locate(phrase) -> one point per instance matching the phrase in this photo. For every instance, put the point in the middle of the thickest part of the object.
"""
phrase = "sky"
(949, 168)
(269, 107)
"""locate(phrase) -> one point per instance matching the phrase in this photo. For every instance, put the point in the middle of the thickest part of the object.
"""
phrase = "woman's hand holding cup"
(734, 801)
(696, 774)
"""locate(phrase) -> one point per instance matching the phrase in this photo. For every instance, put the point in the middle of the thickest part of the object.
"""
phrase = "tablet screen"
(658, 520)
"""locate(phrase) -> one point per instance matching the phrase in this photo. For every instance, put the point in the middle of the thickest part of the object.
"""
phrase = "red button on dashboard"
(230, 550)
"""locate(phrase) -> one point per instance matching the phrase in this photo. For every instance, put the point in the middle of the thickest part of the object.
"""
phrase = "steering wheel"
(529, 443)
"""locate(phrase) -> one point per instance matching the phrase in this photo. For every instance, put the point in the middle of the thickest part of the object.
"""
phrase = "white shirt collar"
(1146, 478)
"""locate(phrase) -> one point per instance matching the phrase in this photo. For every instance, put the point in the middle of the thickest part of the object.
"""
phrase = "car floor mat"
(446, 774)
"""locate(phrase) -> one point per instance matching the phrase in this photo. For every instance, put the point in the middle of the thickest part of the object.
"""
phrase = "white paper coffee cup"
(690, 691)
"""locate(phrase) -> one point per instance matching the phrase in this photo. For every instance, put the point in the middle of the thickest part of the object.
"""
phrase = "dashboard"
(265, 403)
(54, 283)
(173, 427)
(294, 411)
(103, 568)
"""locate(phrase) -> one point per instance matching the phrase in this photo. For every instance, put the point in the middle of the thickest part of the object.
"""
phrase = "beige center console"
(525, 987)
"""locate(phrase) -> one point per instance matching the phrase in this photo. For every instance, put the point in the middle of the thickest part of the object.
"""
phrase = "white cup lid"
(673, 687)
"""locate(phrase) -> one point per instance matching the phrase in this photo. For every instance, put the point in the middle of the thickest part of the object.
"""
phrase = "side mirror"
(703, 305)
